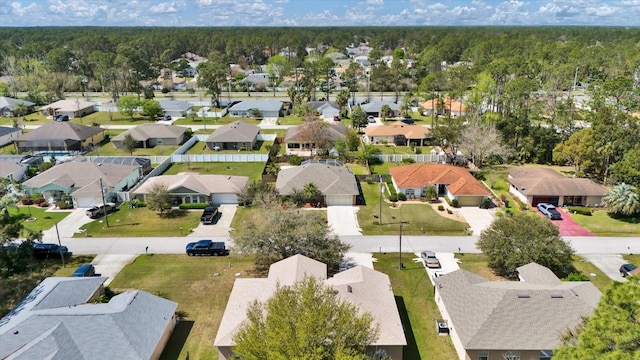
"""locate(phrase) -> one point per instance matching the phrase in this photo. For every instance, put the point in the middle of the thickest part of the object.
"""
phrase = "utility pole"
(401, 266)
(59, 245)
(104, 204)
(381, 194)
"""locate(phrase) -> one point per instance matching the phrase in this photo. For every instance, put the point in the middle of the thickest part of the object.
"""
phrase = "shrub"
(295, 160)
(26, 200)
(574, 276)
(369, 180)
(440, 207)
(402, 197)
(63, 205)
(39, 200)
(507, 204)
(418, 151)
(393, 197)
(478, 175)
(580, 210)
(503, 197)
(449, 211)
(509, 212)
(499, 214)
(137, 203)
(455, 203)
(193, 206)
(408, 161)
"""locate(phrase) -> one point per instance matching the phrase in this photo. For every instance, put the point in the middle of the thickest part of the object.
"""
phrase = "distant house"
(193, 188)
(540, 185)
(175, 108)
(82, 180)
(142, 162)
(375, 107)
(9, 134)
(443, 107)
(398, 133)
(12, 169)
(453, 182)
(60, 136)
(297, 136)
(59, 320)
(337, 184)
(525, 319)
(267, 108)
(256, 80)
(235, 136)
(368, 289)
(10, 107)
(73, 108)
(150, 135)
(327, 110)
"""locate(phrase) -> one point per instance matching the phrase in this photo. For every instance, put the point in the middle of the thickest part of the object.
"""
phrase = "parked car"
(209, 214)
(408, 121)
(206, 247)
(625, 269)
(46, 251)
(62, 118)
(85, 270)
(371, 119)
(549, 211)
(166, 118)
(336, 118)
(97, 211)
(430, 259)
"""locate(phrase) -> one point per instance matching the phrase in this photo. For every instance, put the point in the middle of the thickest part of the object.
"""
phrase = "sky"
(319, 13)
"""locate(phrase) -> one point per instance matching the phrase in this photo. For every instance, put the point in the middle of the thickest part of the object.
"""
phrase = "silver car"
(430, 259)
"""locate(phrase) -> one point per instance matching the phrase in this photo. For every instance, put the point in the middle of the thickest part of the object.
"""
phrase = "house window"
(546, 354)
(512, 355)
(410, 192)
(160, 141)
(483, 355)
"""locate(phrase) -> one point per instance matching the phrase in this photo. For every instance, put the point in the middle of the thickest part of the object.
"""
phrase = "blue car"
(549, 211)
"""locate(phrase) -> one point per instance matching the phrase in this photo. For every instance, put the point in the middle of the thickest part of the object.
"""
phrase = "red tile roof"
(458, 180)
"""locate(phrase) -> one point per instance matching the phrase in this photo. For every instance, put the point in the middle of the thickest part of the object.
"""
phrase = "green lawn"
(279, 132)
(600, 280)
(417, 307)
(290, 120)
(142, 222)
(248, 214)
(421, 218)
(357, 169)
(227, 119)
(402, 150)
(108, 149)
(383, 169)
(200, 148)
(601, 224)
(112, 118)
(251, 169)
(201, 295)
(43, 220)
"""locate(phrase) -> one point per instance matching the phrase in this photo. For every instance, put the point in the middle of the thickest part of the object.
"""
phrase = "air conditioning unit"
(442, 327)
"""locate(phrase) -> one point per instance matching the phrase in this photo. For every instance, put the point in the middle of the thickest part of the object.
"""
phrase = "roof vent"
(557, 295)
(349, 288)
(523, 296)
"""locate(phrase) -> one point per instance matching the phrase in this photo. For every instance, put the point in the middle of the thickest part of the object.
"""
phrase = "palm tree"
(310, 192)
(622, 199)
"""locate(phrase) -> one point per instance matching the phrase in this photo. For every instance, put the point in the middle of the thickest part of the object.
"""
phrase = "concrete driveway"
(67, 226)
(608, 263)
(448, 263)
(109, 265)
(478, 219)
(221, 226)
(343, 220)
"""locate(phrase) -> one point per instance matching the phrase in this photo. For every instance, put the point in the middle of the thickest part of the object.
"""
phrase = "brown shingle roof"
(335, 131)
(145, 132)
(238, 131)
(458, 180)
(546, 182)
(61, 130)
(330, 179)
(399, 128)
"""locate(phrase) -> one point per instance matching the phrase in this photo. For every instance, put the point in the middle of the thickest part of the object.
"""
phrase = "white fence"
(219, 158)
(419, 158)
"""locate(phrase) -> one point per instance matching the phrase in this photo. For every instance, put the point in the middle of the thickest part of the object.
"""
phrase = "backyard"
(142, 222)
(107, 149)
(227, 119)
(251, 169)
(262, 147)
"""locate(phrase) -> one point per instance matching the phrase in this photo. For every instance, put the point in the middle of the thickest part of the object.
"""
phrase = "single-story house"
(267, 108)
(327, 110)
(142, 162)
(59, 320)
(337, 184)
(238, 135)
(540, 185)
(175, 108)
(451, 181)
(194, 188)
(150, 135)
(82, 181)
(375, 107)
(398, 133)
(9, 134)
(496, 320)
(10, 107)
(12, 169)
(368, 289)
(257, 80)
(443, 106)
(60, 136)
(297, 136)
(73, 108)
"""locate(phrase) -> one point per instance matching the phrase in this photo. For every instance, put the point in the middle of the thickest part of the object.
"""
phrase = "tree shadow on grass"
(411, 350)
(177, 340)
(173, 214)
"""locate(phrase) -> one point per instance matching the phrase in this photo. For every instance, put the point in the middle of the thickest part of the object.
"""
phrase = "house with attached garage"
(398, 133)
(60, 136)
(150, 135)
(375, 107)
(10, 107)
(59, 319)
(367, 289)
(326, 109)
(81, 180)
(298, 137)
(238, 135)
(443, 106)
(73, 108)
(175, 108)
(267, 108)
(517, 320)
(194, 188)
(539, 185)
(452, 182)
(336, 183)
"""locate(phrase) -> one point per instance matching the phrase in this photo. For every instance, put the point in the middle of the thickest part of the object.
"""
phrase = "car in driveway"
(100, 210)
(60, 118)
(430, 259)
(85, 270)
(549, 211)
(371, 119)
(408, 121)
(626, 269)
(45, 251)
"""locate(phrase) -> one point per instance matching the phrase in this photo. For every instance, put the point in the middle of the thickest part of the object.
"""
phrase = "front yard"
(142, 222)
(601, 224)
(40, 218)
(251, 169)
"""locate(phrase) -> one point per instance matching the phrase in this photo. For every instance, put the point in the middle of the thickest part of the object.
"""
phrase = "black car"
(625, 269)
(206, 247)
(47, 251)
(62, 118)
(408, 121)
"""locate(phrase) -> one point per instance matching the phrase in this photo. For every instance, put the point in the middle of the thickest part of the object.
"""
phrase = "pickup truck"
(209, 214)
(206, 247)
(97, 211)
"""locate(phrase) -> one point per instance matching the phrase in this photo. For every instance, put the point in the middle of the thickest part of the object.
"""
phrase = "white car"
(371, 119)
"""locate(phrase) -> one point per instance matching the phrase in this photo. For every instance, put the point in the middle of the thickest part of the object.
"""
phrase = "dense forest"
(516, 82)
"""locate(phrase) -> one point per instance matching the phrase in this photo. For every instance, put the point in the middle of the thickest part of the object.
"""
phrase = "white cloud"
(603, 10)
(20, 10)
(375, 2)
(164, 8)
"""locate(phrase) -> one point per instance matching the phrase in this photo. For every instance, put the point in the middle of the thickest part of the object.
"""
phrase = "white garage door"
(87, 202)
(334, 200)
(224, 199)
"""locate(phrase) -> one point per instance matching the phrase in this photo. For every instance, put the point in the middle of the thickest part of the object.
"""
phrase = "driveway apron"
(478, 219)
(343, 220)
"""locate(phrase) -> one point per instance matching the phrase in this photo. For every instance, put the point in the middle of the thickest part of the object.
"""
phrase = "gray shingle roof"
(330, 179)
(513, 315)
(262, 105)
(238, 131)
(80, 174)
(6, 130)
(61, 130)
(376, 106)
(175, 105)
(130, 326)
(12, 104)
(205, 184)
(335, 131)
(145, 132)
